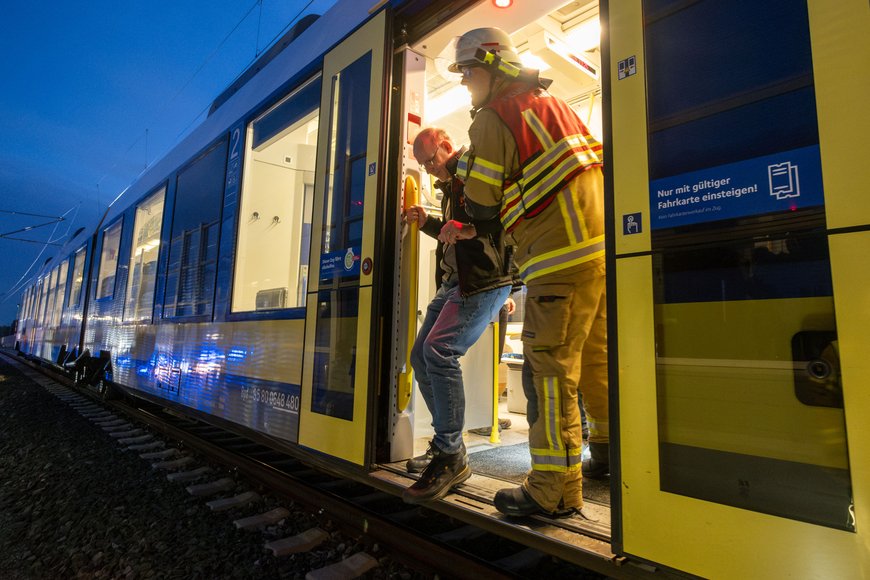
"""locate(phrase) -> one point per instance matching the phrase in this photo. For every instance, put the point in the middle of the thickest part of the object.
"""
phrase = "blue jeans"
(453, 323)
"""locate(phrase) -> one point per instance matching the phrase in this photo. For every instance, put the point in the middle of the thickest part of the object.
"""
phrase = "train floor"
(504, 463)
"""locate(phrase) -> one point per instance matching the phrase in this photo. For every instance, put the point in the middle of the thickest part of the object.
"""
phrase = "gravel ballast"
(74, 504)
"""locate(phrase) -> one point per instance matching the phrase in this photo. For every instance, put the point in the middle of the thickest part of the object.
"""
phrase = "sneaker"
(419, 463)
(443, 472)
(486, 431)
(598, 464)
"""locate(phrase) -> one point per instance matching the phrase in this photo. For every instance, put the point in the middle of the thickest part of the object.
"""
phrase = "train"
(259, 275)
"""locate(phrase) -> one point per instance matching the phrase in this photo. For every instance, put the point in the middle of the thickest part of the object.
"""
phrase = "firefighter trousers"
(564, 345)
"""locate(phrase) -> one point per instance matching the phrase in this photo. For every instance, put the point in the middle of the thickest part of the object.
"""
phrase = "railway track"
(195, 454)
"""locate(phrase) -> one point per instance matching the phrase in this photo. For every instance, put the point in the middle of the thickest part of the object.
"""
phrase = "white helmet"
(493, 40)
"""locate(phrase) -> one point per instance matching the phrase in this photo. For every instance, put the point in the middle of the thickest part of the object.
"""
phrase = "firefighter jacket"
(483, 262)
(535, 164)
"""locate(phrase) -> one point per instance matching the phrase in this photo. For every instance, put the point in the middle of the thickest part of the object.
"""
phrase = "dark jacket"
(484, 262)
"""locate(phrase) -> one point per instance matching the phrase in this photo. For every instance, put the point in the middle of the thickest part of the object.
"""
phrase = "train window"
(25, 308)
(109, 261)
(193, 247)
(52, 297)
(43, 300)
(143, 257)
(59, 291)
(78, 274)
(276, 205)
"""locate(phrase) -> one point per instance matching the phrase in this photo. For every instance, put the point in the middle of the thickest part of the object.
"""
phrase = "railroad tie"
(212, 488)
(127, 434)
(270, 518)
(174, 464)
(157, 444)
(352, 567)
(135, 440)
(165, 454)
(94, 416)
(192, 475)
(241, 500)
(307, 540)
(111, 422)
(123, 426)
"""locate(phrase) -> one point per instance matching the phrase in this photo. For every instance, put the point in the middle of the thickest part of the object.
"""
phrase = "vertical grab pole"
(406, 381)
(494, 435)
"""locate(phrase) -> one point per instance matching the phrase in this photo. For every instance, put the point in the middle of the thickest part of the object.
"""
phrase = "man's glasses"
(430, 163)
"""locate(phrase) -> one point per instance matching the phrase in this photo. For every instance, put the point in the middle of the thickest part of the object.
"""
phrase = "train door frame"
(431, 20)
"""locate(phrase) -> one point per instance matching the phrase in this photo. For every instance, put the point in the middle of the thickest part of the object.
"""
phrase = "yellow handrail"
(494, 436)
(406, 381)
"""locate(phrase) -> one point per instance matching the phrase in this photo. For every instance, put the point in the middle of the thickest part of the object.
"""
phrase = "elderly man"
(533, 163)
(476, 281)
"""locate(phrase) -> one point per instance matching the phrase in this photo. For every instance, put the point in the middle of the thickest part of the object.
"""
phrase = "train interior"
(562, 42)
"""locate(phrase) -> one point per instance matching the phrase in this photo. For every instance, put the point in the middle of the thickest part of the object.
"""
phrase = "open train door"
(338, 331)
(737, 184)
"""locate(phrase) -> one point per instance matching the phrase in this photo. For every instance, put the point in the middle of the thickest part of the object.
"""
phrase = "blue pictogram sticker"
(631, 224)
(372, 167)
(783, 179)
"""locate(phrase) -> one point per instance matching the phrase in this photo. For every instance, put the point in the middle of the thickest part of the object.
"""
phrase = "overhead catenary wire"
(39, 215)
(52, 241)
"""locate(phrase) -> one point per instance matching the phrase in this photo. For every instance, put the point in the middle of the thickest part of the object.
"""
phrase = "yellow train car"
(259, 276)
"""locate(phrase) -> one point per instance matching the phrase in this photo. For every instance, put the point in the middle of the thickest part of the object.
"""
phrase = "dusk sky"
(95, 91)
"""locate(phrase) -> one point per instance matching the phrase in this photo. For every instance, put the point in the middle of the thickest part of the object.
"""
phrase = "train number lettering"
(235, 140)
(271, 398)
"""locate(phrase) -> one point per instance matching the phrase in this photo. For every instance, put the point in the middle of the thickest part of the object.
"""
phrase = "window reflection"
(109, 261)
(143, 257)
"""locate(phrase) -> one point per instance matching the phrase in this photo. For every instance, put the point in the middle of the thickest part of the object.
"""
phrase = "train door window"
(60, 291)
(750, 400)
(193, 248)
(109, 261)
(143, 257)
(341, 243)
(276, 205)
(78, 275)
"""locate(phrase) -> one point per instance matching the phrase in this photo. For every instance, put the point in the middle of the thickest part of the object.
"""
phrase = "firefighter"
(533, 163)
